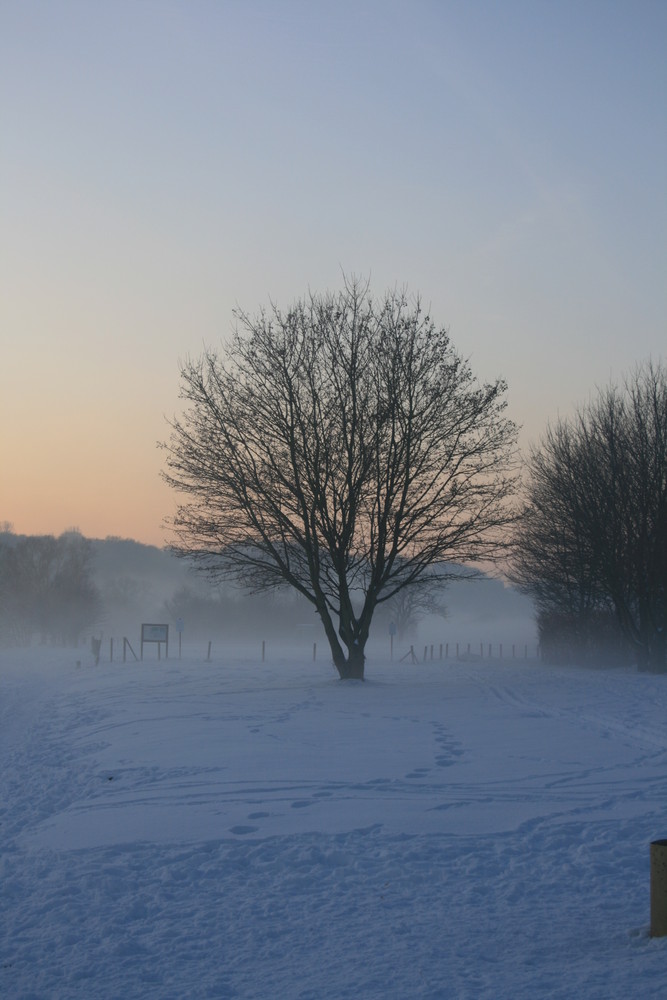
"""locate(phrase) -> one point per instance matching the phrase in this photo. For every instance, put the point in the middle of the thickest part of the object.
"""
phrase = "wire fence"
(124, 649)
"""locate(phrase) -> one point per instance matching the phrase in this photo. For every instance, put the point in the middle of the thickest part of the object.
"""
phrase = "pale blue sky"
(162, 162)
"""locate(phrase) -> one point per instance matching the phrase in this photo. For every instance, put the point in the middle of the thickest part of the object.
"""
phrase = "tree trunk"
(641, 653)
(658, 653)
(352, 668)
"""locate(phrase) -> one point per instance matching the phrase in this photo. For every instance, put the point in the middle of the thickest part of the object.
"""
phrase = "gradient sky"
(162, 162)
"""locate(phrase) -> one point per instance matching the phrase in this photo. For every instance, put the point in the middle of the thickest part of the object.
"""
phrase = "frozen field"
(185, 829)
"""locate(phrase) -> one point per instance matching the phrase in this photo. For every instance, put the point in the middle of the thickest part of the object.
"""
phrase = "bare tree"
(554, 558)
(594, 532)
(342, 448)
(409, 606)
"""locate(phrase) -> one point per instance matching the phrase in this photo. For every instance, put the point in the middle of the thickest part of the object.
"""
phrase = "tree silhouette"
(594, 533)
(344, 448)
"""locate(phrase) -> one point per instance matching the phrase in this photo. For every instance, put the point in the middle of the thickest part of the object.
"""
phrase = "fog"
(122, 584)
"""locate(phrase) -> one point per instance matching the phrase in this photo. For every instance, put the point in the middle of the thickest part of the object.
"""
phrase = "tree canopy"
(344, 448)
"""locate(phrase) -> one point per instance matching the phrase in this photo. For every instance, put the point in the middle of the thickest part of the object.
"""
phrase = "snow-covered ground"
(184, 829)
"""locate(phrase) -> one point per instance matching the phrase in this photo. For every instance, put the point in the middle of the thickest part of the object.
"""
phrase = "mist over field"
(231, 820)
(136, 583)
(139, 583)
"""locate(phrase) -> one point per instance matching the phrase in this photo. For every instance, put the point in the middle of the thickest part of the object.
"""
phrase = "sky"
(163, 162)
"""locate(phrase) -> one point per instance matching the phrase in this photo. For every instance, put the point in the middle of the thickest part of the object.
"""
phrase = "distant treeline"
(62, 590)
(47, 589)
(591, 544)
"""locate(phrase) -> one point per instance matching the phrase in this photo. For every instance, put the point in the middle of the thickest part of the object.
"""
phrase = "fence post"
(128, 645)
(659, 888)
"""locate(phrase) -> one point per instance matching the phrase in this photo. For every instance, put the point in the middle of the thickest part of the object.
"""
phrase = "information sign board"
(155, 633)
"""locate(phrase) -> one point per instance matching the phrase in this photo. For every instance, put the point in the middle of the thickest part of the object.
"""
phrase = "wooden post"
(440, 650)
(490, 650)
(425, 652)
(208, 655)
(659, 888)
(457, 650)
(314, 651)
(111, 650)
(127, 645)
(263, 649)
(501, 650)
(481, 650)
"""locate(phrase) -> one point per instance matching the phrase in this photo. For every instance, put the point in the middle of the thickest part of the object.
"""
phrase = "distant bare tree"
(411, 604)
(342, 448)
(594, 532)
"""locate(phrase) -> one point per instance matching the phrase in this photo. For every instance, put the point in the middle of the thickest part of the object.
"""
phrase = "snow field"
(244, 829)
